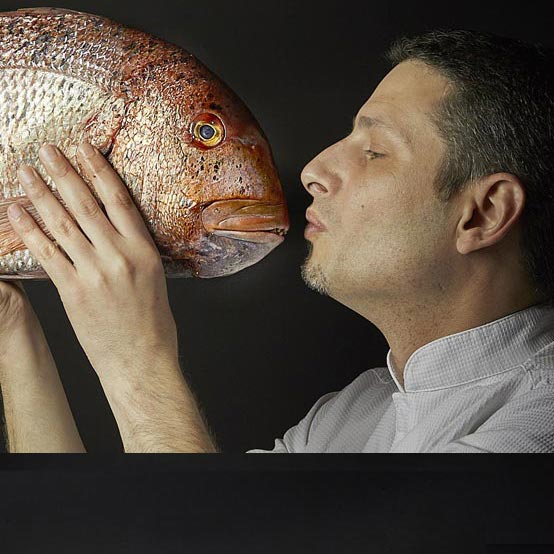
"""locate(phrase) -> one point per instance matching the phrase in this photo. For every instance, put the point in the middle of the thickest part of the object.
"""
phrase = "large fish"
(193, 157)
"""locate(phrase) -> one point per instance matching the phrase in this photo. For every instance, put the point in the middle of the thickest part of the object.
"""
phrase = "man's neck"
(409, 327)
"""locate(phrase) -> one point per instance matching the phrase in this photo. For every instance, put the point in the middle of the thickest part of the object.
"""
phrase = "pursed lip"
(314, 220)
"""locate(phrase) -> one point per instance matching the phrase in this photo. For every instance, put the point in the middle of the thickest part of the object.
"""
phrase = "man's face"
(384, 234)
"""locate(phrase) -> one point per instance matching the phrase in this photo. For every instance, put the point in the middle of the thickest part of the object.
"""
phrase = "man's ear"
(490, 207)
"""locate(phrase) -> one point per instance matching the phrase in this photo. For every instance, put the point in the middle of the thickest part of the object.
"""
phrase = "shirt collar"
(479, 352)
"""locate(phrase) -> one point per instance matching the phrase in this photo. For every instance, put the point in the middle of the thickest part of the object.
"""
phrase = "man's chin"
(313, 275)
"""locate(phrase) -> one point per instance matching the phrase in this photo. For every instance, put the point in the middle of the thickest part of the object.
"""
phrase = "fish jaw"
(236, 234)
(248, 220)
(217, 256)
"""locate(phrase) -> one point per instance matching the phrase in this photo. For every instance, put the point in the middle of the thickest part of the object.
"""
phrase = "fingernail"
(26, 175)
(15, 211)
(50, 152)
(86, 150)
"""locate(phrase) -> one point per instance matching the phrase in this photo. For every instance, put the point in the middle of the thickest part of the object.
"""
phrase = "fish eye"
(208, 130)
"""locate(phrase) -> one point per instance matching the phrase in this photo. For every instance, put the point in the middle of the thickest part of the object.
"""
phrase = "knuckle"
(87, 207)
(58, 168)
(152, 260)
(122, 199)
(62, 169)
(64, 227)
(99, 167)
(122, 264)
(37, 190)
(27, 227)
(97, 279)
(47, 251)
(123, 267)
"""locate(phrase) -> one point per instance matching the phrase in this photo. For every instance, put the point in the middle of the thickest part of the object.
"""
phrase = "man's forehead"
(386, 117)
(405, 99)
(412, 83)
(412, 86)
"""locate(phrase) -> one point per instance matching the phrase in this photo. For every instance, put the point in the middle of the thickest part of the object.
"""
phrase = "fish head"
(219, 204)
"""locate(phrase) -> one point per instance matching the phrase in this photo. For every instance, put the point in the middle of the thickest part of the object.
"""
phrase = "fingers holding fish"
(58, 222)
(77, 196)
(119, 206)
(45, 251)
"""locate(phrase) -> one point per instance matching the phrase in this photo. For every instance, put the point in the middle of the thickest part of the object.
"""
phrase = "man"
(433, 219)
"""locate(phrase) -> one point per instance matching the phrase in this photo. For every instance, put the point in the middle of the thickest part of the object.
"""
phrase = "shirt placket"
(402, 417)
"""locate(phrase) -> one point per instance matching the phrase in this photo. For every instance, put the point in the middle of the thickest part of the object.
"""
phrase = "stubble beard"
(313, 274)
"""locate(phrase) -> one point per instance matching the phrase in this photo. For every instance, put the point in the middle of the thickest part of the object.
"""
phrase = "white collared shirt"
(486, 389)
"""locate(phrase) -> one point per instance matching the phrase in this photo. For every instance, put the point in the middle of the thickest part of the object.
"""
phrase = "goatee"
(313, 275)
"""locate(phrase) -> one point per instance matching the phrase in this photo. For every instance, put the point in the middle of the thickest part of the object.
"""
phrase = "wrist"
(19, 335)
(131, 367)
(130, 353)
(157, 411)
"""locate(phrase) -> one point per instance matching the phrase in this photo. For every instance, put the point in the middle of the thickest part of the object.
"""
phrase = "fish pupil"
(207, 132)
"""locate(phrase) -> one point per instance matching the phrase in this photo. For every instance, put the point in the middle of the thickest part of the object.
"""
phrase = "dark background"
(259, 348)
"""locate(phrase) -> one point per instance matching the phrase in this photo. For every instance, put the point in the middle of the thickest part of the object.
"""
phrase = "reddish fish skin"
(146, 96)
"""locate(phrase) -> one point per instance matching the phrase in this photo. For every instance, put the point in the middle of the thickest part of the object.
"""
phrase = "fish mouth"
(247, 220)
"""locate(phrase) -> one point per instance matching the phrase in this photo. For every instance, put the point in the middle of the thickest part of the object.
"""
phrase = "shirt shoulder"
(341, 421)
(524, 423)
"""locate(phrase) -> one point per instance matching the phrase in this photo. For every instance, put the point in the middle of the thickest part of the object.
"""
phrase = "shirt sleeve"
(296, 438)
(525, 425)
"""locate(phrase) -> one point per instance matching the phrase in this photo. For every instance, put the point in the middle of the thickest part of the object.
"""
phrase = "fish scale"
(59, 50)
(68, 77)
(41, 117)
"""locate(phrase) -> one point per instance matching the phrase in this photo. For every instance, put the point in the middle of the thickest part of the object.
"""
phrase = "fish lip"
(247, 220)
(251, 236)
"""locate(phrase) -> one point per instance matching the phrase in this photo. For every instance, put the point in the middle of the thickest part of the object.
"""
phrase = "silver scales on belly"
(31, 114)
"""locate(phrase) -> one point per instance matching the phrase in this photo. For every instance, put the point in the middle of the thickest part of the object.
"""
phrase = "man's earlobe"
(467, 232)
(490, 209)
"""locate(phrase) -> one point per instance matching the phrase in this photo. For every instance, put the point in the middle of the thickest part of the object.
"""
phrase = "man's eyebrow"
(367, 122)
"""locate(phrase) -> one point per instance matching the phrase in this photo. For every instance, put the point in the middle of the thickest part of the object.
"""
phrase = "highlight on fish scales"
(193, 157)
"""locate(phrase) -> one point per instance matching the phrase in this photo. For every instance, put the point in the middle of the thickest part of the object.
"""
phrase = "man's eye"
(372, 154)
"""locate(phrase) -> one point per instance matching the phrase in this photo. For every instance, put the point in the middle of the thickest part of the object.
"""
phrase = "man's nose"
(317, 177)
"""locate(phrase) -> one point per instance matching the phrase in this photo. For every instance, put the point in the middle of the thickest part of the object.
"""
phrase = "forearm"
(38, 416)
(155, 410)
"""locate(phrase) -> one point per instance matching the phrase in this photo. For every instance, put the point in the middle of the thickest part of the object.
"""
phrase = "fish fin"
(21, 12)
(9, 240)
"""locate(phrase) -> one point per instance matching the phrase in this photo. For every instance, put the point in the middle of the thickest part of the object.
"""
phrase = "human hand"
(110, 279)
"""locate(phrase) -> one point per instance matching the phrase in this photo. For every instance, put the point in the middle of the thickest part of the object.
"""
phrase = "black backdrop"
(259, 347)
